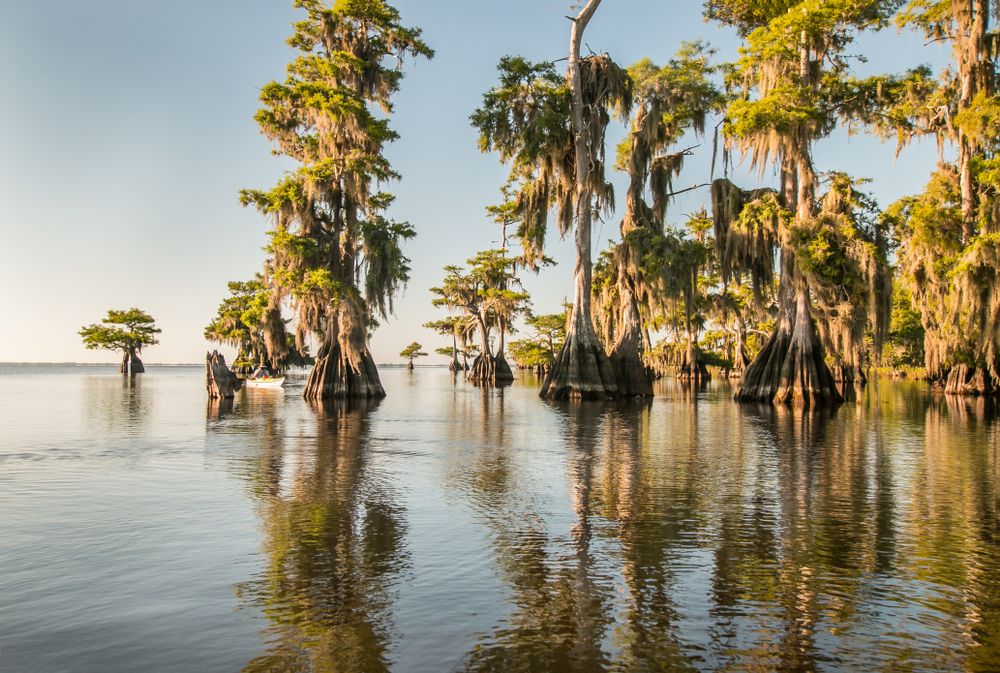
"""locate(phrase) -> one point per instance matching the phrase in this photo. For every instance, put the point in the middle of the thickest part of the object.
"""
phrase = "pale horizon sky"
(128, 132)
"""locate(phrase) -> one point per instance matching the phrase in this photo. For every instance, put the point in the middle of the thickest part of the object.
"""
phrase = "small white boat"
(265, 383)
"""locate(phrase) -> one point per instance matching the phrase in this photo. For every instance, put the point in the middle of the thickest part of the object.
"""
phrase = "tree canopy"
(240, 321)
(791, 87)
(484, 294)
(126, 331)
(412, 351)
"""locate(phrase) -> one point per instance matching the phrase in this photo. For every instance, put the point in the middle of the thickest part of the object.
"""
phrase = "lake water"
(453, 528)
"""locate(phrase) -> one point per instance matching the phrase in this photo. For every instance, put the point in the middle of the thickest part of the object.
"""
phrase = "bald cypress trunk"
(490, 369)
(740, 359)
(630, 372)
(692, 365)
(965, 380)
(136, 364)
(123, 369)
(333, 376)
(455, 365)
(791, 368)
(582, 370)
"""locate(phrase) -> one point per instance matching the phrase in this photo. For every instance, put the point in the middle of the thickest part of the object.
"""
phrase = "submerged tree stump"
(220, 382)
(965, 381)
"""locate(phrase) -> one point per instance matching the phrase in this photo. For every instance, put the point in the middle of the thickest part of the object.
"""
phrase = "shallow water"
(450, 528)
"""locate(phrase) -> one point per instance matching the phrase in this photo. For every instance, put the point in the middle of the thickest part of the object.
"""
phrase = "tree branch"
(706, 184)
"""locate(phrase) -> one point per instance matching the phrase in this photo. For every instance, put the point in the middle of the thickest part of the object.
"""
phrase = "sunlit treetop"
(122, 331)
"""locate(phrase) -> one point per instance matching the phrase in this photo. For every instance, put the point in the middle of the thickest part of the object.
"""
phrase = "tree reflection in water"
(116, 405)
(679, 534)
(334, 540)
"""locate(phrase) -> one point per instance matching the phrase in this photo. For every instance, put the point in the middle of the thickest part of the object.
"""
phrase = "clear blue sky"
(126, 132)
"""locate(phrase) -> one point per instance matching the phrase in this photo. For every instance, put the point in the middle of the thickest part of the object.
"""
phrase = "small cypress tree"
(126, 331)
(410, 352)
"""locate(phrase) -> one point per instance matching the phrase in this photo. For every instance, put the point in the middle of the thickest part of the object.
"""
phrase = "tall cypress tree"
(334, 256)
(638, 275)
(551, 130)
(950, 233)
(794, 87)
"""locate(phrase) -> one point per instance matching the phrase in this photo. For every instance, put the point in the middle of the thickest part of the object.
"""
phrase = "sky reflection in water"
(454, 528)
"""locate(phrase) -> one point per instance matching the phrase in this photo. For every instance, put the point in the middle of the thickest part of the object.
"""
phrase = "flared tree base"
(631, 374)
(131, 364)
(853, 375)
(962, 380)
(333, 377)
(791, 369)
(582, 371)
(693, 368)
(490, 370)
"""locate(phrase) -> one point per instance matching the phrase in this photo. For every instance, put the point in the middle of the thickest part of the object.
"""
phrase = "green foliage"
(412, 351)
(525, 117)
(906, 332)
(240, 323)
(128, 331)
(791, 87)
(483, 293)
(332, 252)
(541, 347)
(526, 120)
(746, 15)
(386, 269)
(928, 229)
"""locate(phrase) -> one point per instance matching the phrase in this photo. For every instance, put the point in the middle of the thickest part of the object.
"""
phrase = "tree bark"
(692, 365)
(219, 380)
(963, 380)
(791, 368)
(135, 367)
(740, 359)
(333, 376)
(124, 367)
(630, 373)
(490, 369)
(455, 365)
(582, 370)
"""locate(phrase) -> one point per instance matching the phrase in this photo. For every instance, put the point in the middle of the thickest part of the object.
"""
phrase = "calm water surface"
(450, 528)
